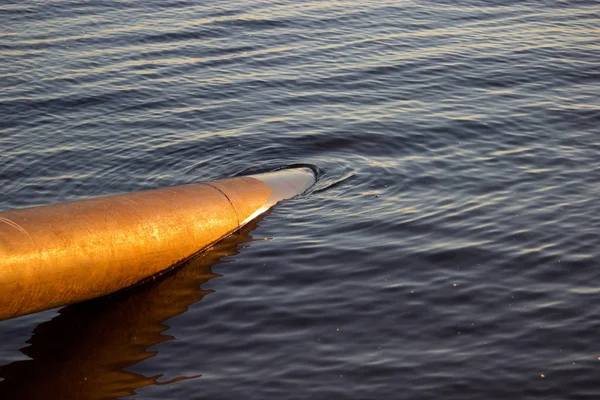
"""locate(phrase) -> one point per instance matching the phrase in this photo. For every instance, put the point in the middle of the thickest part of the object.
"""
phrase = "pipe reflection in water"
(84, 352)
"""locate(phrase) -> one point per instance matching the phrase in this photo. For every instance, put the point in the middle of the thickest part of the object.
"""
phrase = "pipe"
(60, 254)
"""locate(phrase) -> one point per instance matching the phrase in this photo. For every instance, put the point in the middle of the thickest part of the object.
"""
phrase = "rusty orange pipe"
(60, 254)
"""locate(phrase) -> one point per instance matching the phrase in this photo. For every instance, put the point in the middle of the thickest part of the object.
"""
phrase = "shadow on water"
(85, 351)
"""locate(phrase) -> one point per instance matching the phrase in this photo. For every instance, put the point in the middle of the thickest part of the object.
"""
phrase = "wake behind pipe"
(60, 254)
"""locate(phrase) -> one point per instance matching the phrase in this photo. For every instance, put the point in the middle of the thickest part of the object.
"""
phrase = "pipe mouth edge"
(289, 182)
(285, 184)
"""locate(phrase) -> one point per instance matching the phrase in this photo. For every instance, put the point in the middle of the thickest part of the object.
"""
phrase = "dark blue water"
(450, 249)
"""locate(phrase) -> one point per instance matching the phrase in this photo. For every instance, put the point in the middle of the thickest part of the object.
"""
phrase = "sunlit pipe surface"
(61, 254)
(88, 350)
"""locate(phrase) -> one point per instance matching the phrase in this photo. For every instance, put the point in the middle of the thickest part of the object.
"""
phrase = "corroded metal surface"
(64, 253)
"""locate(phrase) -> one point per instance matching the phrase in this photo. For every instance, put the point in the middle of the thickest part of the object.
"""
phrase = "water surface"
(450, 249)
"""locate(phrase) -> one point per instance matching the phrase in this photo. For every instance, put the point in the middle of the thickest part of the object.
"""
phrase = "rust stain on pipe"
(65, 253)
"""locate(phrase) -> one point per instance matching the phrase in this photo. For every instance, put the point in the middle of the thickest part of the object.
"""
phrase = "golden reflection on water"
(85, 351)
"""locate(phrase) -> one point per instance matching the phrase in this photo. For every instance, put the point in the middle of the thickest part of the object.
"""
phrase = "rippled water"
(450, 249)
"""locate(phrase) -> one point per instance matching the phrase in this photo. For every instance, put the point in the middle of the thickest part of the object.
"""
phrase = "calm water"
(450, 249)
